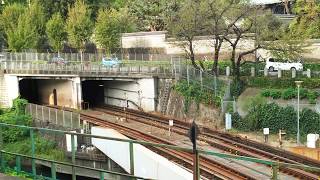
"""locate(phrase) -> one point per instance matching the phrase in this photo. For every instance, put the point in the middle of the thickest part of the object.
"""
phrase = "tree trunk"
(237, 70)
(216, 56)
(233, 59)
(191, 55)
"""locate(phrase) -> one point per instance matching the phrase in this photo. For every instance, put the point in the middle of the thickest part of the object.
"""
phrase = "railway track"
(227, 142)
(208, 168)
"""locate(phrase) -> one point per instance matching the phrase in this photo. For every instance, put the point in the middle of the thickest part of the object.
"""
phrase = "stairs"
(165, 96)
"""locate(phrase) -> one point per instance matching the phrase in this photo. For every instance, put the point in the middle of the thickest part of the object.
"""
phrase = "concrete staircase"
(165, 96)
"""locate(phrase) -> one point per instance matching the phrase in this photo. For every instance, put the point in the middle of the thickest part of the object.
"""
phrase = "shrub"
(266, 93)
(238, 122)
(289, 93)
(268, 82)
(312, 96)
(275, 94)
(275, 118)
(237, 87)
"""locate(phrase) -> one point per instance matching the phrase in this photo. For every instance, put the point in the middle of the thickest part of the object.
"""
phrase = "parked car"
(110, 62)
(58, 60)
(273, 64)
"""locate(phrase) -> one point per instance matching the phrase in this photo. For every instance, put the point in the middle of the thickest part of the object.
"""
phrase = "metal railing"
(85, 69)
(92, 57)
(275, 165)
(59, 117)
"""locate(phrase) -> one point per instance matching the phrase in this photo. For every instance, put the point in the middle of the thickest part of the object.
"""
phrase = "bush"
(275, 118)
(267, 82)
(275, 94)
(312, 96)
(265, 93)
(237, 87)
(289, 93)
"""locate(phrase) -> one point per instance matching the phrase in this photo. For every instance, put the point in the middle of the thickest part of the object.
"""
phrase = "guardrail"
(85, 69)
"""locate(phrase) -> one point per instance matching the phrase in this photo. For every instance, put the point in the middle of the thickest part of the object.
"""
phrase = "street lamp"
(298, 83)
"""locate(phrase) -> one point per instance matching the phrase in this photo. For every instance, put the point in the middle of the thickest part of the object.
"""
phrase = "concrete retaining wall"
(140, 93)
(203, 115)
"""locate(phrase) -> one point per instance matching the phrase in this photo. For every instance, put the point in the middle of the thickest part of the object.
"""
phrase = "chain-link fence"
(48, 115)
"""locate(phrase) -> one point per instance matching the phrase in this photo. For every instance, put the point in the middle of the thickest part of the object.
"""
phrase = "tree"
(56, 33)
(151, 14)
(219, 22)
(307, 22)
(24, 36)
(185, 25)
(37, 18)
(10, 16)
(109, 26)
(53, 6)
(79, 25)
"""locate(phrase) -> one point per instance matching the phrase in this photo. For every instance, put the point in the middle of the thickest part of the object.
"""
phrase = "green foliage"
(253, 102)
(15, 116)
(289, 93)
(267, 82)
(10, 16)
(275, 94)
(276, 118)
(194, 92)
(44, 148)
(237, 87)
(307, 21)
(79, 25)
(269, 27)
(312, 96)
(19, 106)
(56, 33)
(151, 15)
(27, 31)
(110, 24)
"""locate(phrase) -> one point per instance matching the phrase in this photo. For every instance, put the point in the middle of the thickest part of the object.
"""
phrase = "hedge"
(281, 83)
(275, 118)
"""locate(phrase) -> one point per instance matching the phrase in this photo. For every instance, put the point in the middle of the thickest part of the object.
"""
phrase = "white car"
(273, 64)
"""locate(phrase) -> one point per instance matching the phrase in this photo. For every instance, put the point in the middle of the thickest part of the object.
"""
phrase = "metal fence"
(86, 69)
(45, 115)
(92, 57)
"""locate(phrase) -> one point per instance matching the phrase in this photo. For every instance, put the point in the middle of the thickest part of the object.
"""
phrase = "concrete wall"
(64, 88)
(147, 164)
(202, 45)
(144, 40)
(10, 84)
(141, 92)
(3, 92)
(203, 114)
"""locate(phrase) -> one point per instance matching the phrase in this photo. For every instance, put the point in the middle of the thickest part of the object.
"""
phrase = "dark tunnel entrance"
(93, 92)
(28, 89)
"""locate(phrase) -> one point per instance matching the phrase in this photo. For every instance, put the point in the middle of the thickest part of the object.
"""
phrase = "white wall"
(12, 87)
(142, 92)
(144, 40)
(147, 164)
